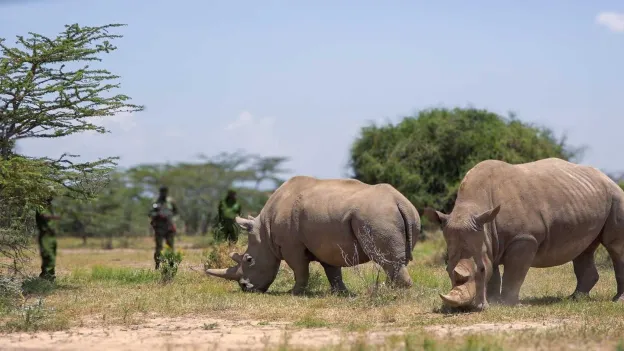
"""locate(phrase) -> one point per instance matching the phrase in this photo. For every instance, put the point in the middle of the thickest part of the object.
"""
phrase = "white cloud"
(612, 20)
(124, 121)
(259, 133)
(246, 119)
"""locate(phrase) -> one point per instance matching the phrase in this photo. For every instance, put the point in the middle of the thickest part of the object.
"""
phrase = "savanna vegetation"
(54, 87)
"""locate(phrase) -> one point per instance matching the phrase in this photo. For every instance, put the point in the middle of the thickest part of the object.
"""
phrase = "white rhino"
(337, 222)
(538, 214)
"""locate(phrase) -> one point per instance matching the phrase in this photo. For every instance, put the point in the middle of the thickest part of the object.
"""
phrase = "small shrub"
(10, 293)
(317, 281)
(36, 317)
(169, 263)
(602, 258)
(37, 286)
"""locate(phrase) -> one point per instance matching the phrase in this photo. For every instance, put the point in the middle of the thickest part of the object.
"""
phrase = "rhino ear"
(435, 217)
(487, 216)
(246, 224)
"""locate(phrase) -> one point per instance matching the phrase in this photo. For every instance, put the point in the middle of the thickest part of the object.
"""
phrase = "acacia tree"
(427, 155)
(49, 90)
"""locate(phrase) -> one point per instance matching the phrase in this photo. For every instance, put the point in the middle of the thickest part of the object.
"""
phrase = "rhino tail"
(408, 234)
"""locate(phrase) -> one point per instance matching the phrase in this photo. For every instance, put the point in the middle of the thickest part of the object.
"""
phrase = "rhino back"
(317, 213)
(562, 205)
(329, 219)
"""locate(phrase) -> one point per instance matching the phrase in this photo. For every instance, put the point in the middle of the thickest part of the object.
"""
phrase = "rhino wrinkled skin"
(337, 222)
(539, 214)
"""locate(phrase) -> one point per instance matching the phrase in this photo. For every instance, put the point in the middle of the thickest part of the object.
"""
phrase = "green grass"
(121, 275)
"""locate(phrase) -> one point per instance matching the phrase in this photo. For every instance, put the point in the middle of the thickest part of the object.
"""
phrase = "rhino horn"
(460, 295)
(225, 273)
(236, 257)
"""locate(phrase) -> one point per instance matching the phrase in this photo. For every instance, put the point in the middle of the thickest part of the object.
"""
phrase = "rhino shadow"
(531, 301)
(314, 293)
(451, 311)
(544, 300)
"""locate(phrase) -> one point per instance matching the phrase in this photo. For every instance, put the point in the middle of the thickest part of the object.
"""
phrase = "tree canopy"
(426, 156)
(47, 90)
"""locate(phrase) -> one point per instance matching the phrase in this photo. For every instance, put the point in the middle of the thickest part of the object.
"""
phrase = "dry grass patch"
(119, 288)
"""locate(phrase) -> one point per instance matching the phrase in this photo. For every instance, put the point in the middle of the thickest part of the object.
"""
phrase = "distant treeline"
(121, 207)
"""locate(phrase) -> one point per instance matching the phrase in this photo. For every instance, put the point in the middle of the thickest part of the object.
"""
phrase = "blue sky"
(299, 78)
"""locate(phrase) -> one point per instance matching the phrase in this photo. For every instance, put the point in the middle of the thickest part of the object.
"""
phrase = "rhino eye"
(247, 258)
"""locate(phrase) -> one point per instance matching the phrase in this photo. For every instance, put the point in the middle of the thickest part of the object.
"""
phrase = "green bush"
(426, 156)
(169, 263)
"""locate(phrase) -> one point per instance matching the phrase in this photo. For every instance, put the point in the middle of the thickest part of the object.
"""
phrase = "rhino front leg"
(517, 261)
(300, 264)
(494, 285)
(334, 275)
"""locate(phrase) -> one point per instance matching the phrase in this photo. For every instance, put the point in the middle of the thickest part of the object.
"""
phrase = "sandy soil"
(194, 333)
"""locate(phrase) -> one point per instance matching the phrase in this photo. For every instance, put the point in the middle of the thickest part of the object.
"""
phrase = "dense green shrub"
(426, 156)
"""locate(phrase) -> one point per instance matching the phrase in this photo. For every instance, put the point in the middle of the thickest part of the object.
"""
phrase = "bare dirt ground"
(194, 333)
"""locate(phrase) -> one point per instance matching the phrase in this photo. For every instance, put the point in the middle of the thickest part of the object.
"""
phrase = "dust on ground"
(196, 333)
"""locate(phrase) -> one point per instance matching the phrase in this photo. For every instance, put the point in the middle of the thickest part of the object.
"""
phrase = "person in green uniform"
(47, 241)
(162, 214)
(229, 208)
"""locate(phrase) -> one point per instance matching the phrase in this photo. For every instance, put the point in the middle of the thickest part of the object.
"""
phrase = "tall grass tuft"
(169, 263)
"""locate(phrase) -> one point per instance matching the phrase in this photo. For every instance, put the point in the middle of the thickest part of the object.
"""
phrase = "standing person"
(229, 208)
(47, 241)
(162, 215)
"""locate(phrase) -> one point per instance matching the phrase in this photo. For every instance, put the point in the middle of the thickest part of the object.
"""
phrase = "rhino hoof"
(617, 298)
(341, 292)
(297, 292)
(483, 306)
(577, 296)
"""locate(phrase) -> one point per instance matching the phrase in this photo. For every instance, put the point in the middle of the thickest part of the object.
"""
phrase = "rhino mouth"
(246, 286)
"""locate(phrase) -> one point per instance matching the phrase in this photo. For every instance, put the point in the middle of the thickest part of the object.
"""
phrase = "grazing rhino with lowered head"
(538, 214)
(337, 222)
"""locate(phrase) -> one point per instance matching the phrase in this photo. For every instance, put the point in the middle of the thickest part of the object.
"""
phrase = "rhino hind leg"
(585, 271)
(334, 276)
(613, 240)
(373, 238)
(616, 251)
(398, 276)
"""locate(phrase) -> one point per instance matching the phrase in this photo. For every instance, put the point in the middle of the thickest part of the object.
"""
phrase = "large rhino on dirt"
(337, 222)
(538, 214)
